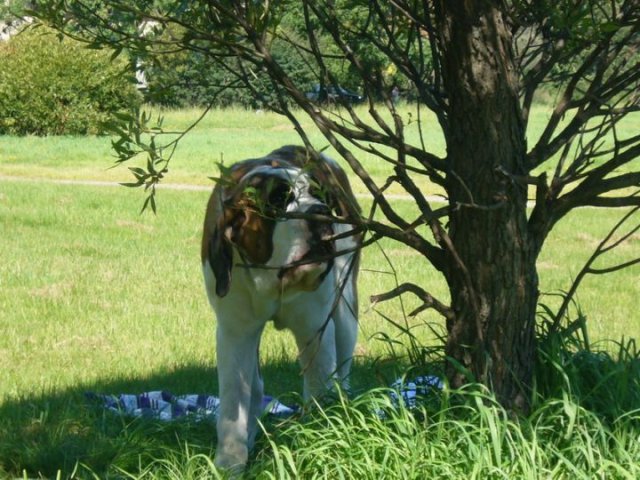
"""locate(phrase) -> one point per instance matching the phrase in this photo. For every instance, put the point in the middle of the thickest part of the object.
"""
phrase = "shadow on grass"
(61, 433)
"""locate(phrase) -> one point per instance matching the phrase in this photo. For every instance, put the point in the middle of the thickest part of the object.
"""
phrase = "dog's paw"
(231, 457)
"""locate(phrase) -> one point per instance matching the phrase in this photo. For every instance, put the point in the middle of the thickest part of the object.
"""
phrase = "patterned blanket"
(167, 406)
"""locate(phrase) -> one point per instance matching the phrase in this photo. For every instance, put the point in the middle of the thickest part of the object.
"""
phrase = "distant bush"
(54, 87)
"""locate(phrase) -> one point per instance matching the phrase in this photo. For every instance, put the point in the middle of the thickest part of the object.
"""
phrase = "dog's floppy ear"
(221, 261)
(216, 247)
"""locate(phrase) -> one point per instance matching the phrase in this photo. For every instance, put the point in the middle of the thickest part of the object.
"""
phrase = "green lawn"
(228, 135)
(96, 297)
(87, 273)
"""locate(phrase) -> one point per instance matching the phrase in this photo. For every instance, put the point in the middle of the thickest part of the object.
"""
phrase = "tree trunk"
(492, 277)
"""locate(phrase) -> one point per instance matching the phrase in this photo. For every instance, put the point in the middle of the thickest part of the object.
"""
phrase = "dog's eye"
(280, 196)
(316, 191)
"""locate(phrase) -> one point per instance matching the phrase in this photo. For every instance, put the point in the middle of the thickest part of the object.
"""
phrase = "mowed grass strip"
(222, 136)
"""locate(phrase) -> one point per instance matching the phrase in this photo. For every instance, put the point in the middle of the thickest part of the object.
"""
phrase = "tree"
(53, 87)
(478, 66)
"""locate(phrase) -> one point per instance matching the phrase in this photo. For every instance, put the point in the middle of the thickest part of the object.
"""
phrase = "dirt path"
(97, 183)
(175, 186)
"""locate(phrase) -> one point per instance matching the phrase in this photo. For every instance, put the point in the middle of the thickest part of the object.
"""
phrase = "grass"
(95, 297)
(473, 439)
(222, 135)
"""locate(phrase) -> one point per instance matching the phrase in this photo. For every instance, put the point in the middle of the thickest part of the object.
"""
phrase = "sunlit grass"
(223, 135)
(229, 135)
(92, 287)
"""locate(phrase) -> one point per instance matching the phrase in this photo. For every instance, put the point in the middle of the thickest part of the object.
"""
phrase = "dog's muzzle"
(320, 244)
(321, 247)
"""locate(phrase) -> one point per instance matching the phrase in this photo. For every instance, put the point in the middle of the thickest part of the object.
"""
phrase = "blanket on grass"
(164, 405)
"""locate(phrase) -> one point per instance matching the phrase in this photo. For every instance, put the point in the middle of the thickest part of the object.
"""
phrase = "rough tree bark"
(492, 278)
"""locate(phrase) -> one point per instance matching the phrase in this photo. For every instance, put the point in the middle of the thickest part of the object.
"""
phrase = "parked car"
(333, 93)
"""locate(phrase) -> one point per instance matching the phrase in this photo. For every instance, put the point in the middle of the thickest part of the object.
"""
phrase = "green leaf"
(132, 184)
(116, 53)
(609, 27)
(138, 171)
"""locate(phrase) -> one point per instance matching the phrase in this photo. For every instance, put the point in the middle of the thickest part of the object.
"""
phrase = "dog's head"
(274, 211)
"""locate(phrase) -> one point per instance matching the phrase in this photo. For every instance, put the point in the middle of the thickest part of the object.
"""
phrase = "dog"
(270, 251)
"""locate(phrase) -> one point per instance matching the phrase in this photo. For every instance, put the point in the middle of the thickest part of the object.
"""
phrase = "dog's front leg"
(240, 395)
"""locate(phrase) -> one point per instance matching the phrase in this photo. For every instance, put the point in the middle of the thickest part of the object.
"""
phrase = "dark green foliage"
(54, 87)
(11, 10)
(603, 378)
(191, 78)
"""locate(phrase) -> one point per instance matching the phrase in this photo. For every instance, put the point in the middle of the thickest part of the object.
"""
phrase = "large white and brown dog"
(269, 253)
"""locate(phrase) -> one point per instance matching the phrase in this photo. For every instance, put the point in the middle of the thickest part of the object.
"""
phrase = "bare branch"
(429, 301)
(605, 75)
(587, 268)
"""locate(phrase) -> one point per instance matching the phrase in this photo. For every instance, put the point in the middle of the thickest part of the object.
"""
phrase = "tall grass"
(450, 434)
(584, 423)
(475, 439)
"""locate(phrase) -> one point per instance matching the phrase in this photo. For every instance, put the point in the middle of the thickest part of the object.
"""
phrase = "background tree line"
(53, 86)
(179, 78)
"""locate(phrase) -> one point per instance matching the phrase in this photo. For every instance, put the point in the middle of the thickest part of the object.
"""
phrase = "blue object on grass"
(164, 405)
